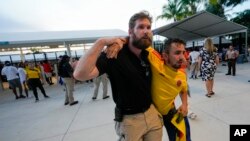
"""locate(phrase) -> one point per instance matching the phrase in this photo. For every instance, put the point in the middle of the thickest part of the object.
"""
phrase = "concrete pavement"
(50, 120)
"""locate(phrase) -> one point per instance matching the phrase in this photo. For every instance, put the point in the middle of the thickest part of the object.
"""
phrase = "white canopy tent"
(29, 39)
(200, 26)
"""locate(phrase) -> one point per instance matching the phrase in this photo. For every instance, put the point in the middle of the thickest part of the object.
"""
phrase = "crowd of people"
(144, 82)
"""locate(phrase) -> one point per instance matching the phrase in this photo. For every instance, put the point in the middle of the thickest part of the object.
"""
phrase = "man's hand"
(183, 109)
(114, 45)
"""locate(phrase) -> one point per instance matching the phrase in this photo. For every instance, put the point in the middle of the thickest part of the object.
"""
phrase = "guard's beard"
(142, 43)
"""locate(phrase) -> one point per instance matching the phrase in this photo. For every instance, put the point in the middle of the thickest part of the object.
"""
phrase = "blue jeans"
(172, 131)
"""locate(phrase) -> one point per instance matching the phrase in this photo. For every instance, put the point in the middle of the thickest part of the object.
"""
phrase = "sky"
(61, 15)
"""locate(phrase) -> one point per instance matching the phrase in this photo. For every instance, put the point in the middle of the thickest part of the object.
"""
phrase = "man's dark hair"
(168, 42)
(140, 15)
(7, 63)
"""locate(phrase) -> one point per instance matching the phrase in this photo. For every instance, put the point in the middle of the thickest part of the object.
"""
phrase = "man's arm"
(226, 56)
(3, 72)
(183, 109)
(86, 68)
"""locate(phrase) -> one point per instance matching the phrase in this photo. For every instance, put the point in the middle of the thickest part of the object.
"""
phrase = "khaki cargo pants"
(145, 126)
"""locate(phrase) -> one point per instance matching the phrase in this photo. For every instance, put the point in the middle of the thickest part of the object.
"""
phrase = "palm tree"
(192, 6)
(172, 10)
(243, 18)
(180, 9)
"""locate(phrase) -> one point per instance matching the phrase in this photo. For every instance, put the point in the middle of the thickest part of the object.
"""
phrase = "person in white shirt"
(194, 68)
(13, 79)
(23, 77)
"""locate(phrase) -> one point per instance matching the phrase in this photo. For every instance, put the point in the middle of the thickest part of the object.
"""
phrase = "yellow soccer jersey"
(167, 83)
(33, 73)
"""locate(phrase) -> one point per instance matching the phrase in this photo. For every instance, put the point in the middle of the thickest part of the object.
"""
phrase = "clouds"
(12, 25)
(28, 15)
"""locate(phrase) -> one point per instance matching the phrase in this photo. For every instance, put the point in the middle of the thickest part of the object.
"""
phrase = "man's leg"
(33, 87)
(145, 126)
(188, 134)
(229, 65)
(40, 86)
(234, 66)
(97, 84)
(105, 87)
(192, 67)
(13, 87)
(171, 130)
(69, 88)
(132, 128)
(25, 89)
(20, 88)
(154, 123)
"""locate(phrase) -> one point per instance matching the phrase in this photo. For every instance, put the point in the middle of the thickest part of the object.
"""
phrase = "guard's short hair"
(139, 15)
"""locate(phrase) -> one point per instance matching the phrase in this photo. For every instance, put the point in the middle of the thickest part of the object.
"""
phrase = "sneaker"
(46, 96)
(192, 116)
(105, 97)
(228, 74)
(93, 98)
(73, 103)
(66, 103)
(248, 80)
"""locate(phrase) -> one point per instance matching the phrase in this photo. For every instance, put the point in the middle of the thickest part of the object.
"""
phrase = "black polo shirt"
(130, 79)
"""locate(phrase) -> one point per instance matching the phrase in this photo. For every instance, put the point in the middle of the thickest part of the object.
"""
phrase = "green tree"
(191, 6)
(172, 10)
(243, 18)
(179, 9)
(218, 7)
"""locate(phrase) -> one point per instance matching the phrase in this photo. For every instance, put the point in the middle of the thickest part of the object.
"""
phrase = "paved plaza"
(50, 120)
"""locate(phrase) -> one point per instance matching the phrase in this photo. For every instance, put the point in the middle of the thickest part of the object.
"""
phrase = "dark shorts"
(14, 83)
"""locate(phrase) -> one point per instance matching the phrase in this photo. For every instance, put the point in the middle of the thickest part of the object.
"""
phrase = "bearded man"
(130, 77)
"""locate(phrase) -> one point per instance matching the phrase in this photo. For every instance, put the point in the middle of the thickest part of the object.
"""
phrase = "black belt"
(170, 114)
(128, 111)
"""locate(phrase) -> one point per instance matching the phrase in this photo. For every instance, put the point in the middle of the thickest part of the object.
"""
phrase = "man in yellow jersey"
(34, 75)
(168, 81)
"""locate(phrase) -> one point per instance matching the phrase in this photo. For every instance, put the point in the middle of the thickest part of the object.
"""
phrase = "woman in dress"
(208, 61)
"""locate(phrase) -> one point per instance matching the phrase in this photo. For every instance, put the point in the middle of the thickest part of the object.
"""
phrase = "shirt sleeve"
(153, 55)
(102, 64)
(3, 71)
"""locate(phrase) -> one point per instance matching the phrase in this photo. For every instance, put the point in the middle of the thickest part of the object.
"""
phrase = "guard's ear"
(130, 31)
